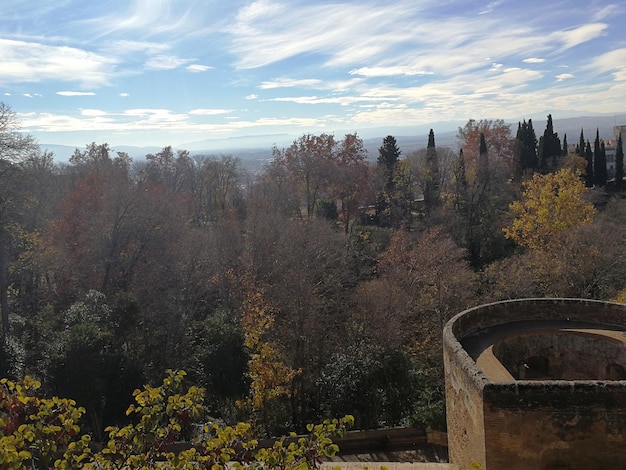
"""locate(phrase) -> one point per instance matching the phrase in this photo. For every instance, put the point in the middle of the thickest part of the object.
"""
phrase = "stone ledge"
(388, 466)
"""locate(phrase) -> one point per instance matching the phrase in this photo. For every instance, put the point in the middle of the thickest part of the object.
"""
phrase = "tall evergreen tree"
(393, 201)
(461, 185)
(482, 176)
(550, 149)
(388, 156)
(565, 149)
(599, 162)
(581, 145)
(526, 149)
(619, 163)
(589, 169)
(431, 176)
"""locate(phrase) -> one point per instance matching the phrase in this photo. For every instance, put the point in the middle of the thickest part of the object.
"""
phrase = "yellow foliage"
(269, 375)
(551, 204)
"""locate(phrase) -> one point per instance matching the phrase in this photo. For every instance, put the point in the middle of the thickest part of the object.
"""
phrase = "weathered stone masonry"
(537, 384)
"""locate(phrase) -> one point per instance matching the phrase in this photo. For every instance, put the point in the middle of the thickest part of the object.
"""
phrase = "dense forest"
(313, 288)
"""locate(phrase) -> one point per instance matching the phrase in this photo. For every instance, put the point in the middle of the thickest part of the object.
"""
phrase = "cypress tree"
(549, 149)
(589, 169)
(431, 183)
(565, 149)
(483, 164)
(581, 145)
(619, 163)
(461, 186)
(526, 149)
(599, 162)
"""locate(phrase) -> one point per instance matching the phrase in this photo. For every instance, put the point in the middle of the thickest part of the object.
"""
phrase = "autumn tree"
(497, 134)
(216, 190)
(422, 280)
(351, 182)
(309, 161)
(550, 206)
(584, 262)
(483, 191)
(170, 170)
(14, 147)
(270, 375)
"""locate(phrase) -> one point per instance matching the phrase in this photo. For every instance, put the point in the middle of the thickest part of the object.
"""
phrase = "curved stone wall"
(570, 412)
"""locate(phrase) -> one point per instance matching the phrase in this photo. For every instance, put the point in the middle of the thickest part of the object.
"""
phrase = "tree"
(589, 176)
(525, 150)
(580, 147)
(500, 143)
(270, 376)
(550, 206)
(42, 433)
(600, 175)
(14, 144)
(431, 176)
(216, 190)
(14, 147)
(309, 161)
(550, 149)
(388, 156)
(394, 197)
(350, 183)
(619, 163)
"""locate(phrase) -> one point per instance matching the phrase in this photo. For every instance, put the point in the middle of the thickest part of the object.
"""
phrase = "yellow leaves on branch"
(270, 376)
(551, 205)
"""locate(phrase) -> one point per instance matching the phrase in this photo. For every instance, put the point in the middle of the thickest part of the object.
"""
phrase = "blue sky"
(168, 72)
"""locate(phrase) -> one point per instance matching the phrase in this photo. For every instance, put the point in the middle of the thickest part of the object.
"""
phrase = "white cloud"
(151, 17)
(290, 83)
(252, 97)
(620, 75)
(22, 61)
(198, 68)
(607, 12)
(209, 112)
(265, 31)
(609, 61)
(124, 95)
(573, 37)
(564, 76)
(166, 62)
(388, 71)
(76, 93)
(126, 46)
(534, 60)
(93, 112)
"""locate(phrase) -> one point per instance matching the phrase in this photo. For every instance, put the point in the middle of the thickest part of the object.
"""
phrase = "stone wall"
(543, 424)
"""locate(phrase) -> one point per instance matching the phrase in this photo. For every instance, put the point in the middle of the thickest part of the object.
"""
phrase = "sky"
(170, 72)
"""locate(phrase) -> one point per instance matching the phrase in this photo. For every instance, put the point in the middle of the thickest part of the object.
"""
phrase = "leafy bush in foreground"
(42, 433)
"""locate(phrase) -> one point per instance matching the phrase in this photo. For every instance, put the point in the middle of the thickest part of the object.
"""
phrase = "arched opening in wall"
(615, 372)
(535, 368)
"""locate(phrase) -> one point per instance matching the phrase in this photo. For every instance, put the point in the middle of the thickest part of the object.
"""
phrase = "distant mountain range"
(253, 150)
